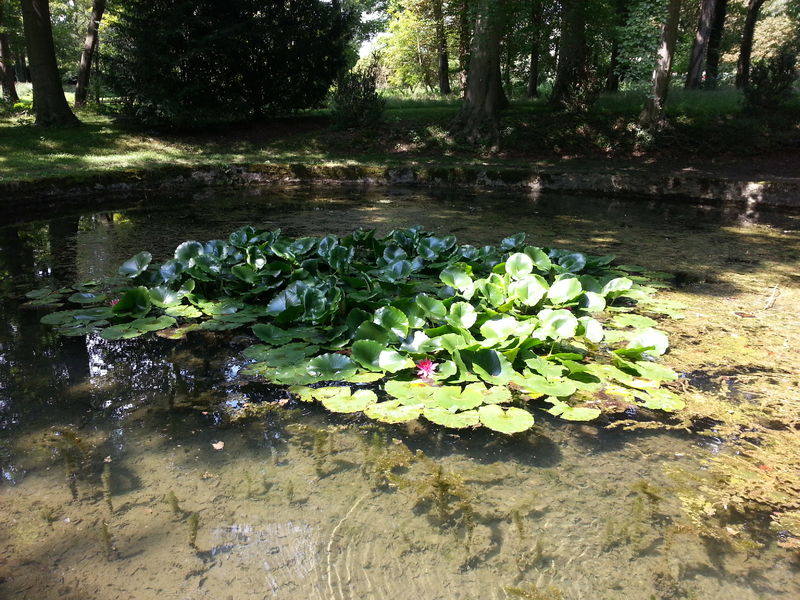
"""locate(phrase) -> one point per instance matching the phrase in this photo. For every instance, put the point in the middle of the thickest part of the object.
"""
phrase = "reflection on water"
(152, 468)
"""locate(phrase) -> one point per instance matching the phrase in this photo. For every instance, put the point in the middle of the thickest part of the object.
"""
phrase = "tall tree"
(746, 48)
(484, 97)
(572, 51)
(621, 12)
(49, 103)
(537, 29)
(464, 41)
(89, 48)
(441, 48)
(6, 71)
(705, 21)
(653, 112)
(715, 43)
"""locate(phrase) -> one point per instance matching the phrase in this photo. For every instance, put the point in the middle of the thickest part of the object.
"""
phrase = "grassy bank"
(705, 128)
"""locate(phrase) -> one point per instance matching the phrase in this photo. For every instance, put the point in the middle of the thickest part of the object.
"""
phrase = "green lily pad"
(185, 311)
(539, 386)
(564, 290)
(511, 420)
(136, 265)
(87, 298)
(453, 397)
(332, 366)
(393, 411)
(283, 356)
(453, 420)
(358, 401)
(572, 413)
(410, 392)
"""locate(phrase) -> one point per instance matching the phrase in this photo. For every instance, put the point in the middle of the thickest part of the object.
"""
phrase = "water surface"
(152, 468)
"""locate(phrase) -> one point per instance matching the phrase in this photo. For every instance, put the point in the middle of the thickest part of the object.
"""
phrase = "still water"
(152, 469)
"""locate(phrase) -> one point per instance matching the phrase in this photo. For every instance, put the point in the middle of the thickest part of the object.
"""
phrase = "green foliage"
(213, 61)
(488, 330)
(356, 101)
(771, 83)
(639, 39)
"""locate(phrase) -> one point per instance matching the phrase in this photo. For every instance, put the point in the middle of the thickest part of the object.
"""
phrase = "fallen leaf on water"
(218, 445)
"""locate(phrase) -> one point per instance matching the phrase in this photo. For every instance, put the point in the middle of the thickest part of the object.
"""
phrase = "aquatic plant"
(193, 522)
(459, 335)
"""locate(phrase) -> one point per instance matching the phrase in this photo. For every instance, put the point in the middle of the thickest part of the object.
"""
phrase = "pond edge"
(782, 193)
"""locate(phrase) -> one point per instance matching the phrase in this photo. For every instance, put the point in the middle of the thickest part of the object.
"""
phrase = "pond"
(152, 468)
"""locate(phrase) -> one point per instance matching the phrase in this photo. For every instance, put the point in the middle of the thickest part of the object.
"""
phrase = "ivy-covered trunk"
(653, 112)
(49, 103)
(746, 48)
(89, 48)
(694, 77)
(621, 11)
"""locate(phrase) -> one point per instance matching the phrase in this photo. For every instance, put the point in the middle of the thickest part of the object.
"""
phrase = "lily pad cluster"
(418, 324)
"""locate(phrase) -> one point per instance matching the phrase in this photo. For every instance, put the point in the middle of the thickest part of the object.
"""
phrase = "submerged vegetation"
(461, 335)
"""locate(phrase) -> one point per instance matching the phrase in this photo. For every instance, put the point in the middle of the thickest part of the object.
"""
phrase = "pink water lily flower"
(114, 302)
(426, 368)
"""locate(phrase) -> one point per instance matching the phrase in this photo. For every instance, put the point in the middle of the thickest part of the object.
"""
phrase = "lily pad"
(136, 265)
(332, 366)
(511, 420)
(453, 420)
(393, 411)
(358, 401)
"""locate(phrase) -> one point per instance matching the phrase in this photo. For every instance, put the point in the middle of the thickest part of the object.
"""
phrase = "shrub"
(356, 101)
(770, 83)
(188, 63)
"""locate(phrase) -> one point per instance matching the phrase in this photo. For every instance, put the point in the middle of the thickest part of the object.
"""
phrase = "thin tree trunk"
(441, 47)
(621, 9)
(464, 42)
(746, 48)
(653, 112)
(89, 48)
(49, 103)
(6, 71)
(537, 24)
(7, 86)
(484, 96)
(694, 77)
(714, 43)
(21, 67)
(572, 56)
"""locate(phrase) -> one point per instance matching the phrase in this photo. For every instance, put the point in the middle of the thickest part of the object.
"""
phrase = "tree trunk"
(572, 54)
(9, 90)
(49, 103)
(746, 49)
(621, 9)
(21, 67)
(653, 112)
(537, 24)
(484, 97)
(715, 42)
(6, 71)
(694, 77)
(441, 47)
(464, 42)
(89, 48)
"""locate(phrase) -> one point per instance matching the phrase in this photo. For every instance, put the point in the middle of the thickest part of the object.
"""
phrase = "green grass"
(415, 130)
